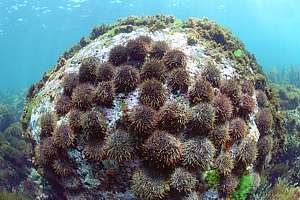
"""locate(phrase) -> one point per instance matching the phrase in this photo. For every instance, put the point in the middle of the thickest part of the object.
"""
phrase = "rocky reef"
(153, 108)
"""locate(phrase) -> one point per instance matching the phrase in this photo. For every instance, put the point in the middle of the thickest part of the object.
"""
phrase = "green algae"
(238, 53)
(11, 196)
(211, 177)
(245, 187)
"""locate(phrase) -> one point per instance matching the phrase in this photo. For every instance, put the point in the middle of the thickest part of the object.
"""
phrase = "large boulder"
(151, 108)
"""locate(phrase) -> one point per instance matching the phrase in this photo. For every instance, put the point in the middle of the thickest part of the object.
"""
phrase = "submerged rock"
(160, 107)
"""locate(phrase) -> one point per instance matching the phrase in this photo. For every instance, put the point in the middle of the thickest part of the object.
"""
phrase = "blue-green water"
(33, 33)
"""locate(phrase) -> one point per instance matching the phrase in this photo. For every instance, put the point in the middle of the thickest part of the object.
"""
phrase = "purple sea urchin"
(105, 72)
(48, 123)
(233, 90)
(247, 106)
(146, 39)
(152, 94)
(173, 117)
(228, 185)
(49, 147)
(174, 59)
(219, 135)
(153, 69)
(198, 154)
(93, 150)
(265, 145)
(203, 118)
(159, 49)
(62, 167)
(261, 98)
(74, 120)
(70, 81)
(82, 97)
(162, 150)
(41, 156)
(223, 108)
(247, 151)
(183, 181)
(179, 80)
(63, 105)
(212, 74)
(126, 79)
(224, 163)
(201, 91)
(64, 136)
(237, 129)
(264, 121)
(142, 120)
(93, 125)
(148, 186)
(248, 87)
(137, 50)
(192, 196)
(104, 94)
(119, 146)
(87, 70)
(118, 55)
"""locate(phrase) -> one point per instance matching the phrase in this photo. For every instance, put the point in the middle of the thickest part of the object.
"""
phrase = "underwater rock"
(110, 152)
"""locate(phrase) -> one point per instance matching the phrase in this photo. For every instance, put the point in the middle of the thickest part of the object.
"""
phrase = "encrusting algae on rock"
(142, 113)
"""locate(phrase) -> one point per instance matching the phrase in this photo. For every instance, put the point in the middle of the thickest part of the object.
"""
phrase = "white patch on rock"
(34, 124)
